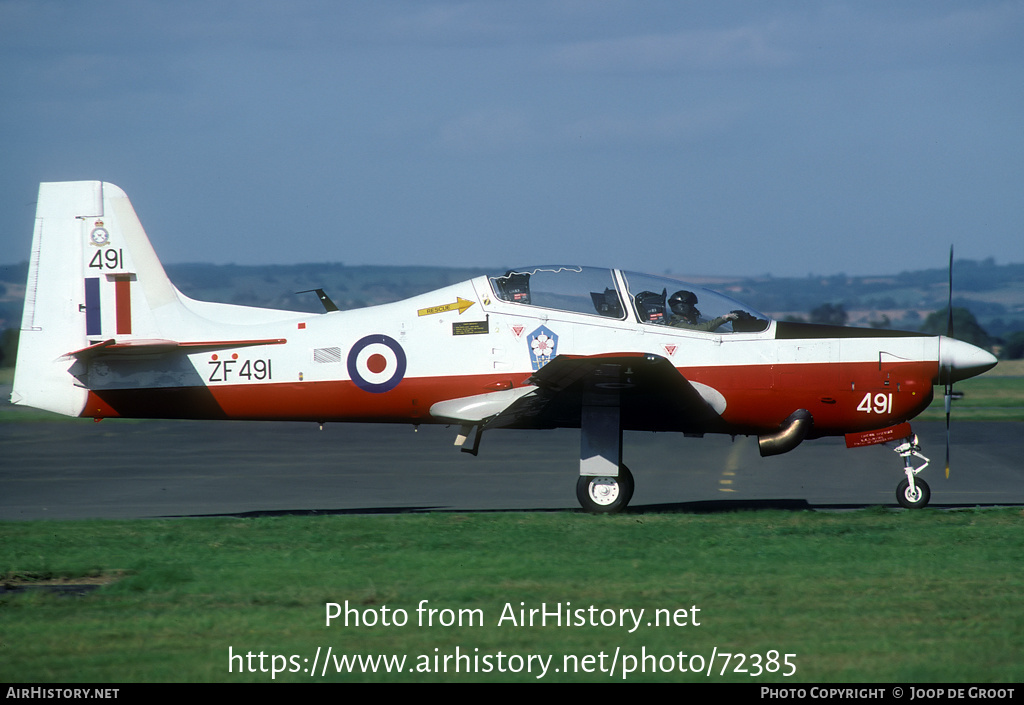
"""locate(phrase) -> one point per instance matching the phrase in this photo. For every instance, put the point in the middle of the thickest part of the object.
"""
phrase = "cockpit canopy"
(656, 301)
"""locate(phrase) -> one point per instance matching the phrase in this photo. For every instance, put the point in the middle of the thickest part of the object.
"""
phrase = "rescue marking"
(460, 304)
(376, 364)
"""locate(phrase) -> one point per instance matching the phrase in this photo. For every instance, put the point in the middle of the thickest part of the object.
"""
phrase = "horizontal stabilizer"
(163, 347)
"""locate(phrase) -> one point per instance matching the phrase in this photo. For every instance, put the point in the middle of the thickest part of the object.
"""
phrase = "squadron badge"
(543, 347)
(99, 235)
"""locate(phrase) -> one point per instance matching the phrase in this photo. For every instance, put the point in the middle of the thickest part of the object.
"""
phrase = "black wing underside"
(651, 394)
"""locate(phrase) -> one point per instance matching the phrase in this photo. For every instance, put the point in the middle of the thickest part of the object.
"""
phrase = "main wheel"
(605, 495)
(915, 499)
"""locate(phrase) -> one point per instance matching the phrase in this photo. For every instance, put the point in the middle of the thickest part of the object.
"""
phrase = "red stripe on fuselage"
(758, 397)
(339, 400)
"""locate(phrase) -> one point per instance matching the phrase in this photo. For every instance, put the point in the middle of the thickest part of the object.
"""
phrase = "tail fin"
(94, 282)
(92, 276)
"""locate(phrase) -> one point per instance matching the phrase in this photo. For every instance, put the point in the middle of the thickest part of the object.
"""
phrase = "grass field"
(868, 596)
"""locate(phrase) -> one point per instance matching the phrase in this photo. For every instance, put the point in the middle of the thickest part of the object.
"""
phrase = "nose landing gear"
(912, 493)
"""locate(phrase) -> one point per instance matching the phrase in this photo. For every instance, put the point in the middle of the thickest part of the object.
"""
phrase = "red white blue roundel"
(376, 363)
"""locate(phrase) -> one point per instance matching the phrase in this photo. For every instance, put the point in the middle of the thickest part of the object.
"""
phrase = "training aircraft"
(106, 334)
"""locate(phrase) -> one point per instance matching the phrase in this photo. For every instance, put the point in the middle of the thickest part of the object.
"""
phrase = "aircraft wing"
(649, 391)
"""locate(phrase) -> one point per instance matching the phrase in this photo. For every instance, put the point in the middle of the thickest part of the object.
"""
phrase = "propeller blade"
(949, 305)
(949, 399)
(949, 374)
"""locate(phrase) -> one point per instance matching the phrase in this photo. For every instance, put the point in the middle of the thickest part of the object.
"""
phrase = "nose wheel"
(913, 497)
(912, 493)
(605, 495)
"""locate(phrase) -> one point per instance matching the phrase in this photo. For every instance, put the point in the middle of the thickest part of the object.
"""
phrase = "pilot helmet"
(683, 303)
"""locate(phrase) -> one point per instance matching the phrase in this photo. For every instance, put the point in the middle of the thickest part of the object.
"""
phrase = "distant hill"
(993, 293)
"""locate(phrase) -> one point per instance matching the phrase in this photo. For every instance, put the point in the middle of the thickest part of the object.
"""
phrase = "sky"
(703, 138)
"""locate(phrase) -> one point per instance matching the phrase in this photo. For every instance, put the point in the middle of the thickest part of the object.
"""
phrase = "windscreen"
(671, 302)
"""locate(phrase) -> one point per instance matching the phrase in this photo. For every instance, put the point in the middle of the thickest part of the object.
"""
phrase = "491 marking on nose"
(880, 403)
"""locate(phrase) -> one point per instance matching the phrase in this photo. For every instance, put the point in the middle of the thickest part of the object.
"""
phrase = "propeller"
(949, 371)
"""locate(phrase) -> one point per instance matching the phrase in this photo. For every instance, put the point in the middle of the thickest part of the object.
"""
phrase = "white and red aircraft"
(106, 334)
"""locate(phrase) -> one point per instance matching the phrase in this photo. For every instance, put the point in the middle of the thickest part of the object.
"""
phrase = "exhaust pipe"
(794, 429)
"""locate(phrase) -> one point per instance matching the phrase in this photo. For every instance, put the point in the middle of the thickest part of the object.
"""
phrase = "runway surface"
(116, 469)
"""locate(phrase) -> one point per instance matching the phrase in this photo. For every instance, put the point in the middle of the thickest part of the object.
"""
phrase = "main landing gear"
(605, 484)
(912, 493)
(605, 495)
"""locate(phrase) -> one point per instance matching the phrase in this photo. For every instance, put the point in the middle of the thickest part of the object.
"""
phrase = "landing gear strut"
(912, 493)
(605, 484)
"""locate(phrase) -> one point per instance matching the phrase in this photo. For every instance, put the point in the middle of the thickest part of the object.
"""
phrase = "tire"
(908, 499)
(605, 495)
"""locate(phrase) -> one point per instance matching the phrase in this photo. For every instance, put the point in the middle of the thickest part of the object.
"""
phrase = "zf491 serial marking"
(226, 370)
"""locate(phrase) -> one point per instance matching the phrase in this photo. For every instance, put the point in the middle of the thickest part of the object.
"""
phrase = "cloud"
(674, 126)
(486, 130)
(705, 49)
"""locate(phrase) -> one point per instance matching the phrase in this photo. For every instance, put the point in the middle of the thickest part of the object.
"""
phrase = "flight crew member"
(685, 313)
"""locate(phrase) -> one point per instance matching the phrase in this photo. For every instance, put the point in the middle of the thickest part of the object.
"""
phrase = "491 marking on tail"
(106, 334)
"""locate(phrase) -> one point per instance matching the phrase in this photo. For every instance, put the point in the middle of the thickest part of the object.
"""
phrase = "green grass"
(868, 596)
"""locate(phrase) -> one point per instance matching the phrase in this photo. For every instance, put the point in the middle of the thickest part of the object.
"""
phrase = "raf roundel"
(376, 363)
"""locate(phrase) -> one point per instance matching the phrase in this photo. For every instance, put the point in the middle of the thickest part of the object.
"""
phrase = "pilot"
(685, 313)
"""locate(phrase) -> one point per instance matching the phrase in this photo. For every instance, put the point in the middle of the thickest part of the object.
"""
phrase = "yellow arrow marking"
(460, 304)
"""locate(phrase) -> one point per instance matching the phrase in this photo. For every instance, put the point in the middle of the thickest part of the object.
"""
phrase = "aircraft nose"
(962, 360)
